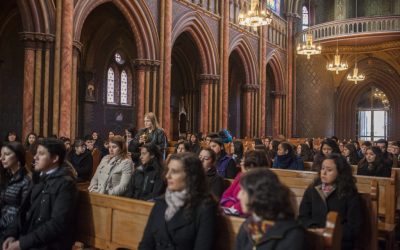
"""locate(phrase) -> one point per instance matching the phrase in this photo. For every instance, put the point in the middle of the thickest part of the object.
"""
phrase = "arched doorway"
(107, 82)
(185, 97)
(237, 79)
(11, 69)
(275, 101)
(372, 115)
(269, 90)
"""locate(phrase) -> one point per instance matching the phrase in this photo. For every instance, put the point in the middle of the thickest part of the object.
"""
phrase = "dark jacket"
(215, 182)
(379, 171)
(12, 196)
(45, 220)
(314, 208)
(83, 164)
(183, 232)
(288, 162)
(147, 182)
(157, 137)
(195, 148)
(283, 235)
(226, 166)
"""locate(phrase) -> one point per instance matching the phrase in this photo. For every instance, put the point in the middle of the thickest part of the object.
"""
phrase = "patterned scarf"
(175, 200)
(327, 189)
(258, 228)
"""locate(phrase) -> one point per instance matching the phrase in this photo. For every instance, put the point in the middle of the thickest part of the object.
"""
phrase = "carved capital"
(209, 79)
(250, 87)
(278, 93)
(35, 40)
(145, 64)
(77, 46)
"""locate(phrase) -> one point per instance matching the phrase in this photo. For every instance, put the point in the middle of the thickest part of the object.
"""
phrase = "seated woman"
(147, 181)
(286, 158)
(82, 161)
(373, 164)
(237, 151)
(265, 199)
(328, 146)
(350, 153)
(304, 152)
(333, 190)
(114, 173)
(194, 144)
(226, 166)
(182, 146)
(215, 181)
(230, 201)
(185, 218)
(15, 183)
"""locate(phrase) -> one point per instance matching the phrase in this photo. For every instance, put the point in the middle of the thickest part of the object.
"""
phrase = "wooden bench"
(111, 222)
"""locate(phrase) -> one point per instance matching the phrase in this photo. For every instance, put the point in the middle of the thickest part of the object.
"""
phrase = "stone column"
(66, 68)
(263, 81)
(56, 74)
(77, 48)
(204, 105)
(140, 67)
(167, 45)
(224, 66)
(248, 101)
(46, 88)
(208, 102)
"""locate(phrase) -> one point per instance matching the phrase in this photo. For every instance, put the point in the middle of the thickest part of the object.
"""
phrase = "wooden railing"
(352, 27)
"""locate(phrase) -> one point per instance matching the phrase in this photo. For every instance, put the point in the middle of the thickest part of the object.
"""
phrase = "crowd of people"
(38, 192)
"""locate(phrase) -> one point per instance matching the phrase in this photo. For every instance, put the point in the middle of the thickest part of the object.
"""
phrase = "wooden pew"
(111, 222)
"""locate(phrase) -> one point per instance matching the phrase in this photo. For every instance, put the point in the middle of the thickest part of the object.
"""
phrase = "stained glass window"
(305, 18)
(274, 5)
(110, 85)
(124, 88)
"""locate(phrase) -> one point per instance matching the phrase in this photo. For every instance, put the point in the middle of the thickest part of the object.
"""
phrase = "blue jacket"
(288, 162)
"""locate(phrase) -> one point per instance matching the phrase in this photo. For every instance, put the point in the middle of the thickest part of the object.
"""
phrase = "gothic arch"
(277, 70)
(38, 16)
(192, 23)
(137, 15)
(243, 48)
(349, 95)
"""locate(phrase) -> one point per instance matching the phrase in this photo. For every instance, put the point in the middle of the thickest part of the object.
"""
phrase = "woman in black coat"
(215, 181)
(328, 146)
(266, 199)
(82, 161)
(333, 190)
(15, 184)
(185, 218)
(373, 164)
(225, 165)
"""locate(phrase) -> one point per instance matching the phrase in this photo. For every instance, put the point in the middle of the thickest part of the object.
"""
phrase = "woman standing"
(15, 184)
(114, 173)
(185, 218)
(265, 199)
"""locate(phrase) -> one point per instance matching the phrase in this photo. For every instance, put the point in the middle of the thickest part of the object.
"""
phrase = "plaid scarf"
(257, 229)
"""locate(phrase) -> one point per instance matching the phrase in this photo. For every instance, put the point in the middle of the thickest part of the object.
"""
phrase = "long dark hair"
(154, 151)
(268, 197)
(238, 148)
(345, 181)
(196, 182)
(256, 158)
(379, 160)
(19, 152)
(306, 153)
(353, 156)
(331, 143)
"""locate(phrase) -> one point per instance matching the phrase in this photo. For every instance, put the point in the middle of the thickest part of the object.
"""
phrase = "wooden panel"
(126, 224)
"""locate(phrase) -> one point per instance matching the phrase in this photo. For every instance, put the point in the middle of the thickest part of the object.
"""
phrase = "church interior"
(268, 70)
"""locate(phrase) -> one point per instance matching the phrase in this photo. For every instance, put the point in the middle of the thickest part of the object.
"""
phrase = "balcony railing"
(352, 27)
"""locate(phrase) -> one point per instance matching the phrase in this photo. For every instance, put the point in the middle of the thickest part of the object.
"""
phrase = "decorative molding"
(368, 48)
(34, 40)
(278, 93)
(77, 45)
(250, 87)
(143, 64)
(209, 79)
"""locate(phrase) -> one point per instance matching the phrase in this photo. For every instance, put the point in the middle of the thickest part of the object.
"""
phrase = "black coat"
(12, 196)
(283, 235)
(379, 171)
(215, 182)
(182, 232)
(45, 220)
(147, 182)
(313, 211)
(83, 164)
(231, 170)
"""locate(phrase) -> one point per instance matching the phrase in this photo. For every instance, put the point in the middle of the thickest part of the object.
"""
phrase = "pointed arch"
(195, 25)
(277, 70)
(37, 16)
(242, 45)
(137, 15)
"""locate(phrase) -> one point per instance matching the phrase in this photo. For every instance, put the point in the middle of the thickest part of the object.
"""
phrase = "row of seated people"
(39, 213)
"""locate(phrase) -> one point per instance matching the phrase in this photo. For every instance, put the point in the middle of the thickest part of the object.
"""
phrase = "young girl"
(265, 199)
(333, 190)
(372, 164)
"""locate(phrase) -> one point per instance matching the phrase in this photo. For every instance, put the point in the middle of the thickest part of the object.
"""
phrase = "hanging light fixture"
(255, 16)
(308, 48)
(337, 65)
(355, 77)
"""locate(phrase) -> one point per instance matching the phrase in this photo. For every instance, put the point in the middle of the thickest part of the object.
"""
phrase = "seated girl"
(286, 158)
(328, 146)
(373, 164)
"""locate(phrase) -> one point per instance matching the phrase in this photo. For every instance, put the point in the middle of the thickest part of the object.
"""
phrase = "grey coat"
(112, 176)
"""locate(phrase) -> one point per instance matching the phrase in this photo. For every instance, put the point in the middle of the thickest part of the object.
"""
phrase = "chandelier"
(308, 48)
(378, 94)
(355, 77)
(255, 16)
(337, 65)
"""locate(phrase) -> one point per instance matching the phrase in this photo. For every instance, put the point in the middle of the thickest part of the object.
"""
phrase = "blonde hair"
(120, 142)
(152, 118)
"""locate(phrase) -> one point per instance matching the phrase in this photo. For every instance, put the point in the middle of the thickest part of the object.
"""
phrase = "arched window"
(119, 85)
(110, 86)
(274, 5)
(305, 18)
